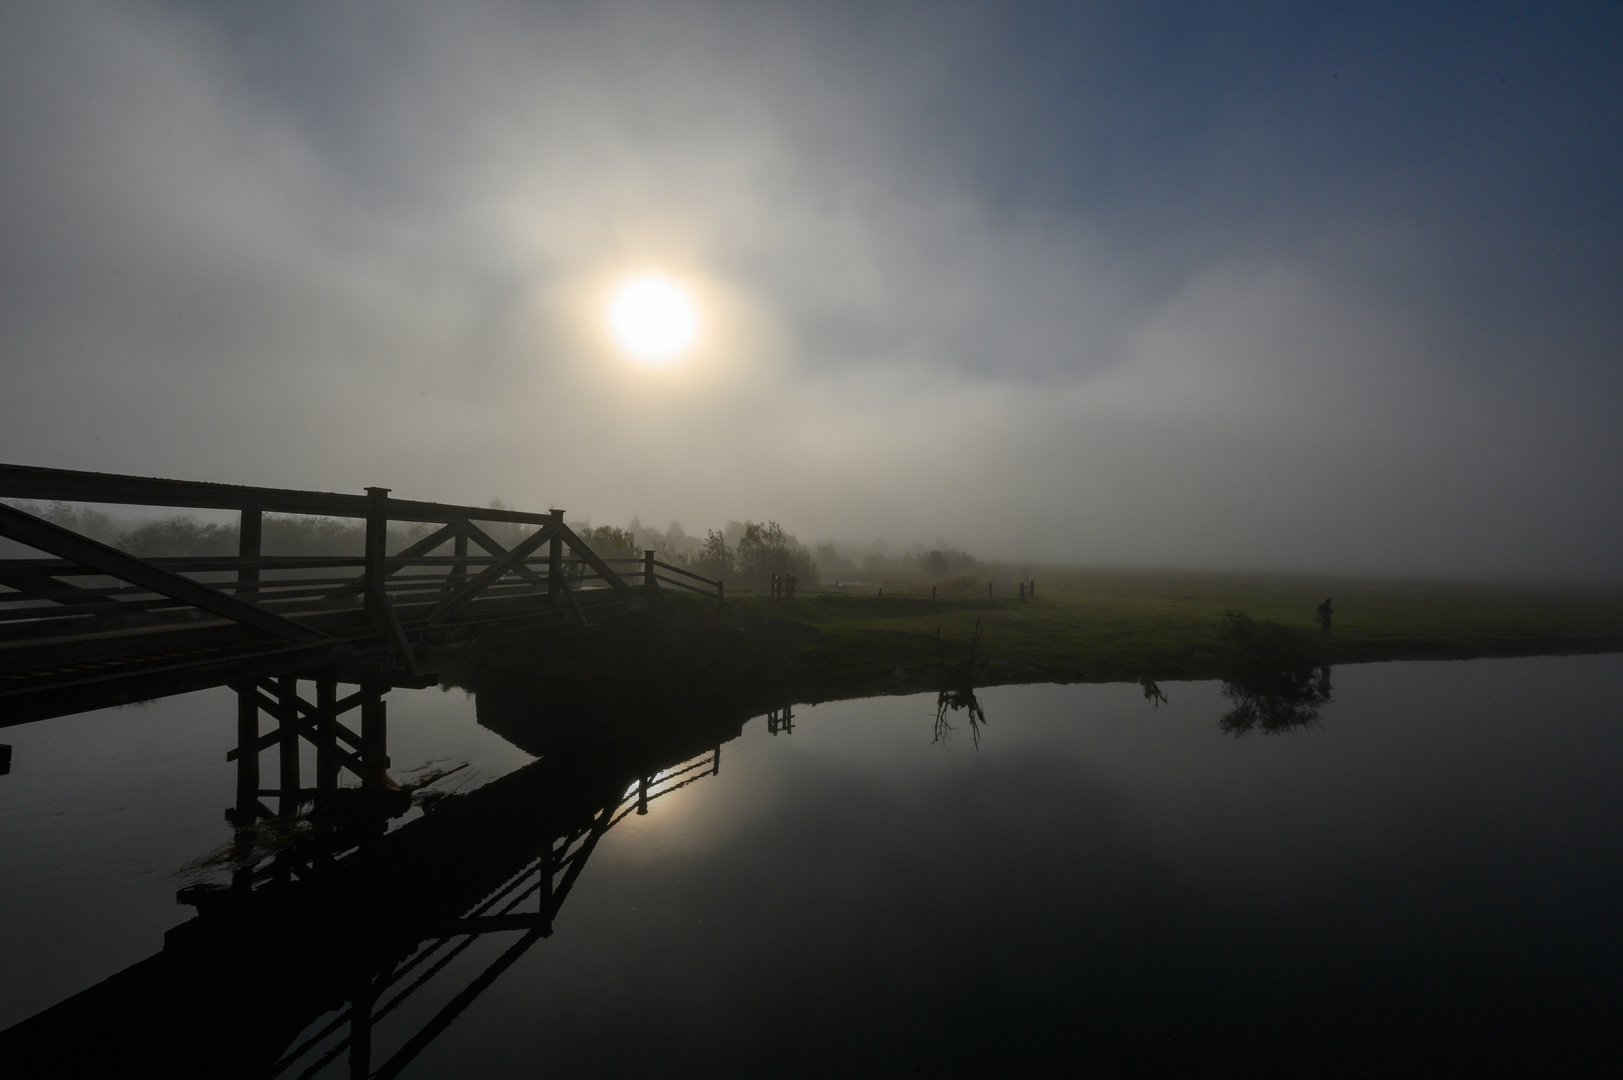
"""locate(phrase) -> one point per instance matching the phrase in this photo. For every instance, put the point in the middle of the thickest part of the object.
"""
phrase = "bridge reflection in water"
(286, 970)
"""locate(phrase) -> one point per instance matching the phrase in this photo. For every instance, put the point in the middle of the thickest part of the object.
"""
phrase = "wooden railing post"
(459, 569)
(650, 583)
(721, 598)
(555, 559)
(377, 554)
(248, 547)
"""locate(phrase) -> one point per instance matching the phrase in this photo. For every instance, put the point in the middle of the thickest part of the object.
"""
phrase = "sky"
(1309, 288)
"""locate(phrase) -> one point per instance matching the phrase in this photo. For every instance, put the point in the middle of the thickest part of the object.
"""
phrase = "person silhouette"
(1325, 611)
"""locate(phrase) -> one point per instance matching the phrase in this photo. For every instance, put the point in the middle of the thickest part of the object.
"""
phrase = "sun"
(653, 319)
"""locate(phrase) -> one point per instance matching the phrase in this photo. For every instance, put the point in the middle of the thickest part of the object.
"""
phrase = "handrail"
(73, 485)
(689, 573)
(681, 584)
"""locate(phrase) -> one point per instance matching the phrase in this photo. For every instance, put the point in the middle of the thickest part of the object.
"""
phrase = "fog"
(1330, 291)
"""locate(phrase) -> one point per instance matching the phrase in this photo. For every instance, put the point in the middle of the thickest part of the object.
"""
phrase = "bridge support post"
(555, 559)
(360, 1030)
(287, 692)
(548, 862)
(326, 732)
(374, 735)
(247, 809)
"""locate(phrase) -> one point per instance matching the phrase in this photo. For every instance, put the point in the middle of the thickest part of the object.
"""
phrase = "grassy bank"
(1110, 625)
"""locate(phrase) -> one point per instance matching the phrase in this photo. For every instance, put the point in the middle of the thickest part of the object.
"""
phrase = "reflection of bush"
(1269, 674)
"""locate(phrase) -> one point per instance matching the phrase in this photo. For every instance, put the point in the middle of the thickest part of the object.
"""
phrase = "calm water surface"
(1427, 881)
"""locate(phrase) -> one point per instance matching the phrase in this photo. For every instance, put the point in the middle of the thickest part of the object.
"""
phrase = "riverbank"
(1082, 626)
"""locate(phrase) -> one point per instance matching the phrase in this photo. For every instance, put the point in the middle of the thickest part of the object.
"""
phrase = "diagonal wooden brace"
(483, 539)
(513, 558)
(65, 544)
(579, 547)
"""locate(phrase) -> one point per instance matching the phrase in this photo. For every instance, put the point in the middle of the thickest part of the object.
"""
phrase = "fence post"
(248, 546)
(377, 545)
(721, 597)
(555, 559)
(650, 583)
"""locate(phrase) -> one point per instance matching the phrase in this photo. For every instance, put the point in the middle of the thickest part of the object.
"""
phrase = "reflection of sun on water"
(653, 319)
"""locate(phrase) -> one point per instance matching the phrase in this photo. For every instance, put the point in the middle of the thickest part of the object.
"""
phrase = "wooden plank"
(42, 586)
(689, 573)
(73, 485)
(187, 564)
(63, 543)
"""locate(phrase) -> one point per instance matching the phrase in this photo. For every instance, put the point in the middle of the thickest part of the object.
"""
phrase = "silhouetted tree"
(765, 549)
(608, 542)
(715, 558)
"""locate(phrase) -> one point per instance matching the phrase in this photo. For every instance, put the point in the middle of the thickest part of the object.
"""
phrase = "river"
(1426, 879)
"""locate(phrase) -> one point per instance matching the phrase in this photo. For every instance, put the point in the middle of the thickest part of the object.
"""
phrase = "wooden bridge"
(85, 625)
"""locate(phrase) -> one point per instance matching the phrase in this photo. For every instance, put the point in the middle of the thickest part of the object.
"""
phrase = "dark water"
(1428, 881)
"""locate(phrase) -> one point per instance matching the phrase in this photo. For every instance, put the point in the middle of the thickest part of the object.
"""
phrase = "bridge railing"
(452, 572)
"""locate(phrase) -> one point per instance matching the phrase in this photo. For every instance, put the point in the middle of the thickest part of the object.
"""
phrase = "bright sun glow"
(653, 319)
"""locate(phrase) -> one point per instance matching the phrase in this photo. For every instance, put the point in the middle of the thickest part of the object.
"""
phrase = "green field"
(1099, 625)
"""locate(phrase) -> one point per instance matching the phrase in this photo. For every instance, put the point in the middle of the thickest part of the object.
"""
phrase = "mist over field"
(1150, 285)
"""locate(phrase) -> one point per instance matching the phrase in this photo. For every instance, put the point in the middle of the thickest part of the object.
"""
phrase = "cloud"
(336, 247)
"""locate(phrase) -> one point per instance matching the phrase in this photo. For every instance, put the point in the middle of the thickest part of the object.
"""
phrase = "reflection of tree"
(1276, 712)
(958, 691)
(1270, 677)
(953, 700)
